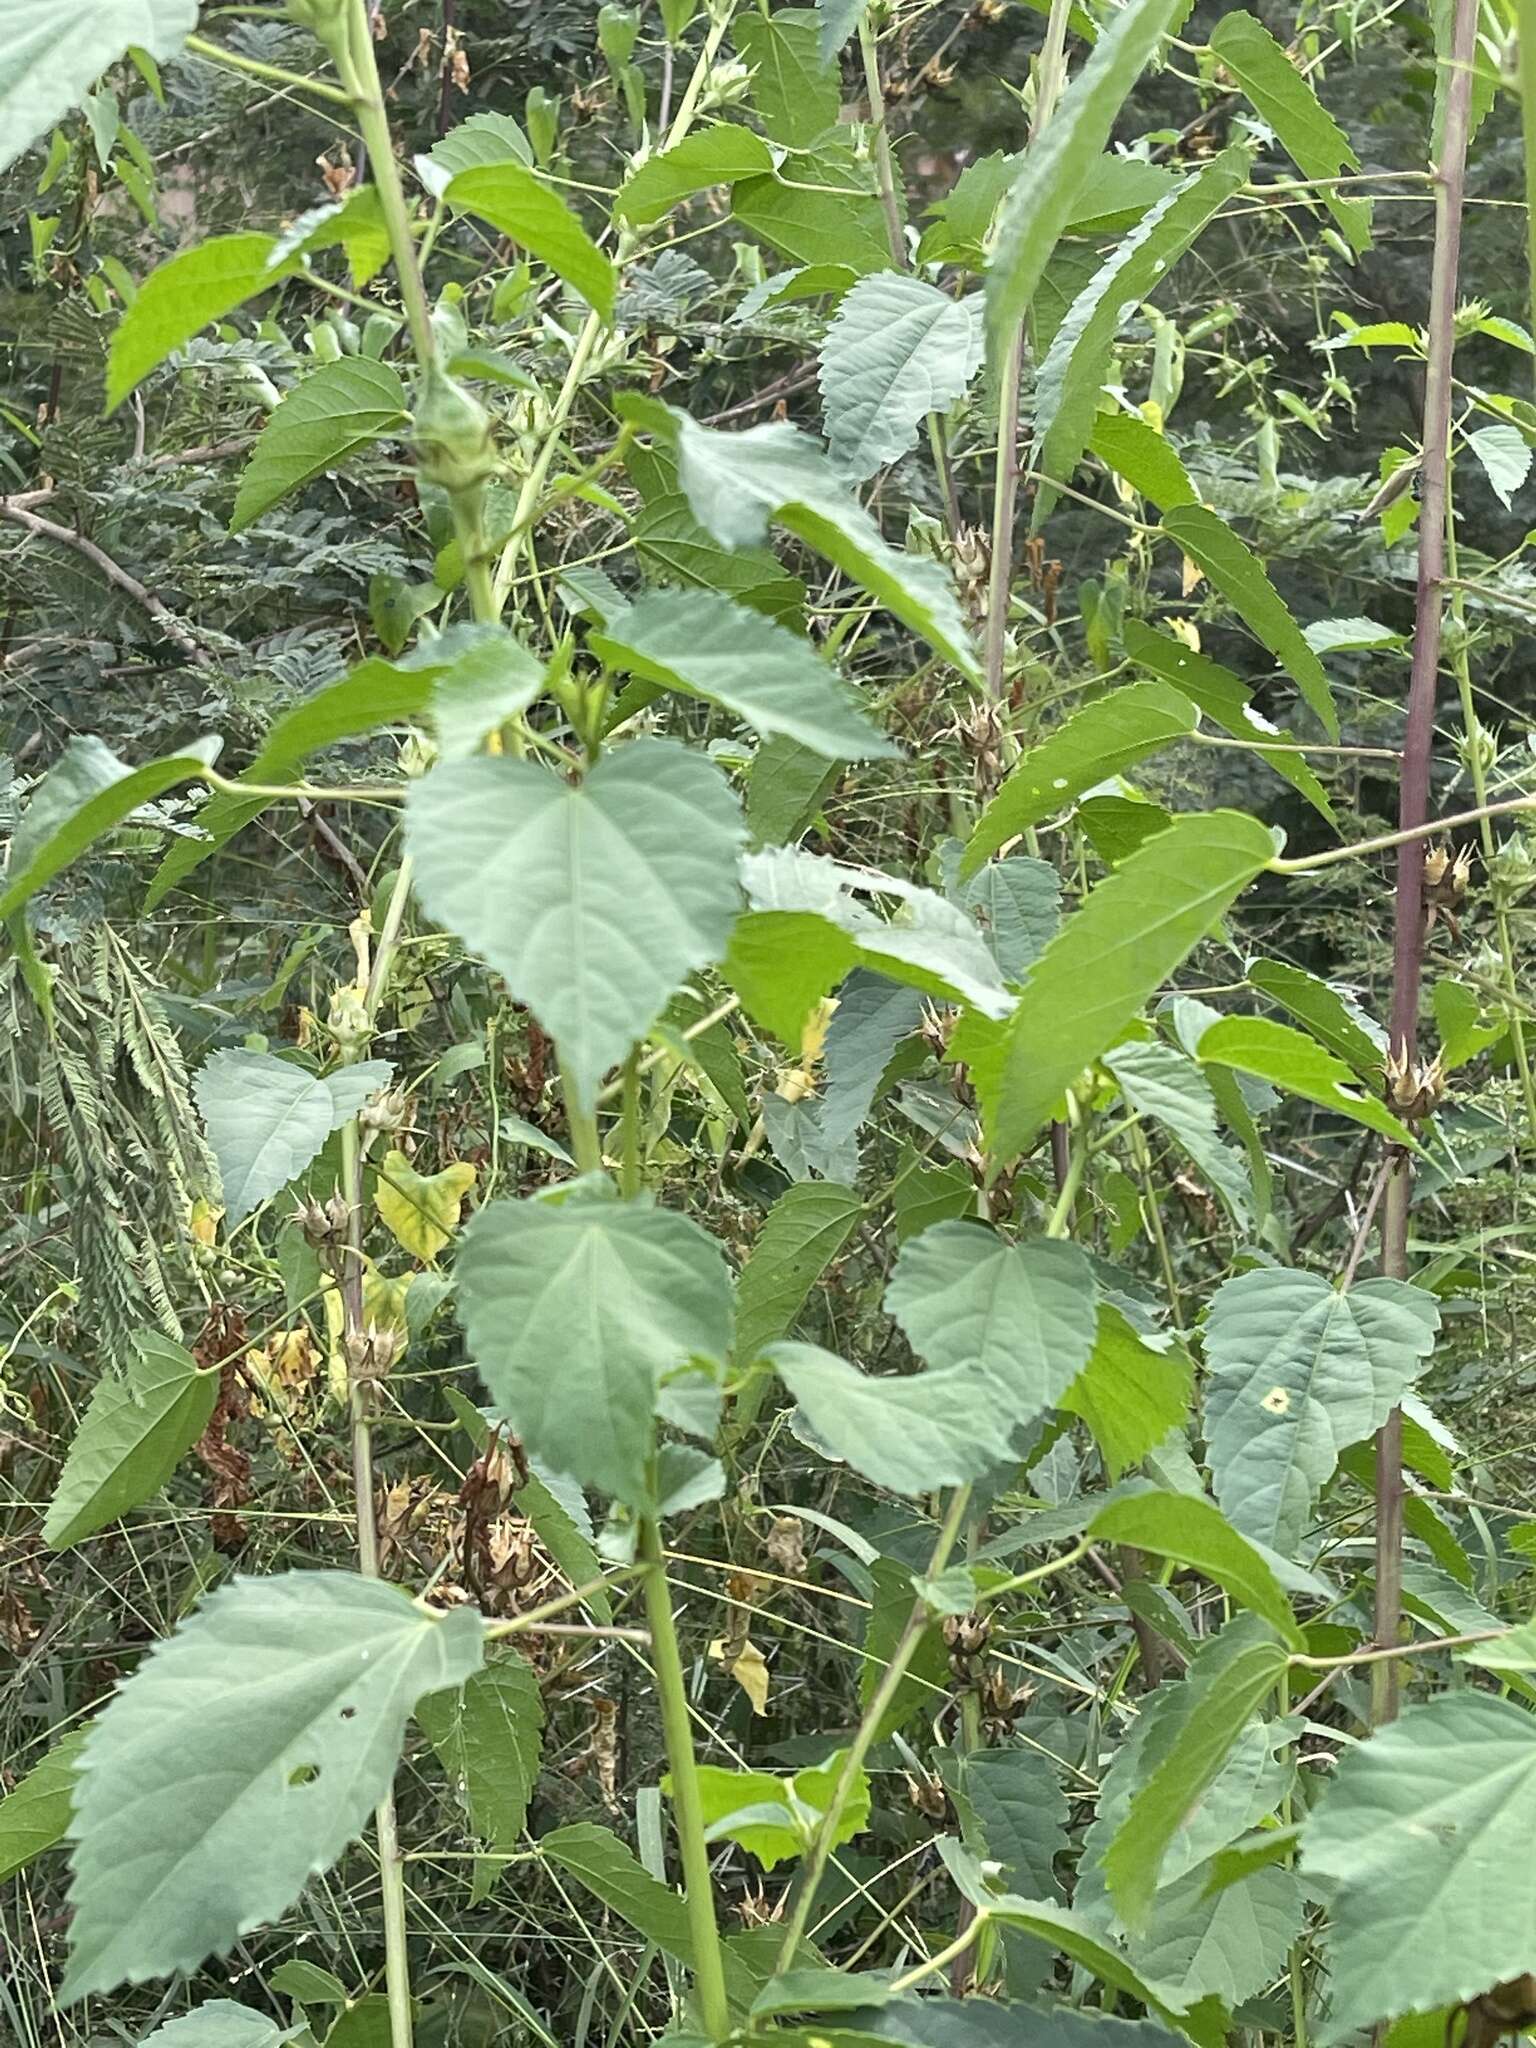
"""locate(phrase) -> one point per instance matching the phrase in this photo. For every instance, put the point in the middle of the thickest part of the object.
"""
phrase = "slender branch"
(66, 536)
(1413, 792)
(359, 70)
(813, 1867)
(526, 509)
(215, 53)
(1410, 835)
(687, 1802)
(1049, 80)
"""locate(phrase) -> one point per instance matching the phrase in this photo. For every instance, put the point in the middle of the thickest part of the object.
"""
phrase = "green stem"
(359, 71)
(1060, 1224)
(629, 1170)
(526, 509)
(586, 1146)
(397, 1965)
(962, 1941)
(814, 1866)
(1386, 840)
(216, 54)
(885, 163)
(687, 1805)
(1049, 79)
(689, 103)
(1473, 731)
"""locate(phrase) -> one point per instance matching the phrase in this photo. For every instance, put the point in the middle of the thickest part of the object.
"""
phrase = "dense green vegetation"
(767, 1071)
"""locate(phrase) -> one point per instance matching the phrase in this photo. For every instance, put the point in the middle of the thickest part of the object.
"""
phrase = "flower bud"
(371, 1352)
(454, 444)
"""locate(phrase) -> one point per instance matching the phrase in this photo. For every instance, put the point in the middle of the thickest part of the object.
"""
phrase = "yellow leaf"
(747, 1668)
(204, 1221)
(1192, 576)
(421, 1211)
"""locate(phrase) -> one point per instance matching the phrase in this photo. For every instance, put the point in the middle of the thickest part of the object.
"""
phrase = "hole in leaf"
(303, 1774)
(347, 1713)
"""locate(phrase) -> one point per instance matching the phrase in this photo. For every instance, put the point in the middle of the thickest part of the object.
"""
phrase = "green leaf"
(1328, 1015)
(1515, 1650)
(621, 1293)
(839, 19)
(702, 643)
(307, 1983)
(483, 139)
(339, 408)
(131, 1439)
(1423, 1837)
(467, 681)
(1005, 1329)
(898, 350)
(807, 928)
(786, 786)
(182, 296)
(1135, 1856)
(1135, 450)
(267, 1118)
(739, 1806)
(1130, 1394)
(1131, 932)
(35, 1815)
(1194, 1531)
(795, 89)
(596, 1858)
(1161, 1083)
(674, 548)
(517, 205)
(1040, 201)
(221, 2023)
(1459, 1019)
(822, 212)
(738, 483)
(923, 1195)
(816, 1990)
(357, 225)
(1101, 740)
(1505, 457)
(55, 50)
(1022, 1811)
(1282, 96)
(1247, 1789)
(488, 1737)
(1228, 1945)
(85, 794)
(1298, 1372)
(563, 1526)
(1077, 362)
(1112, 197)
(1017, 903)
(1060, 1929)
(1224, 699)
(708, 157)
(1236, 571)
(800, 1237)
(994, 2023)
(871, 1020)
(1299, 1065)
(243, 1755)
(593, 900)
